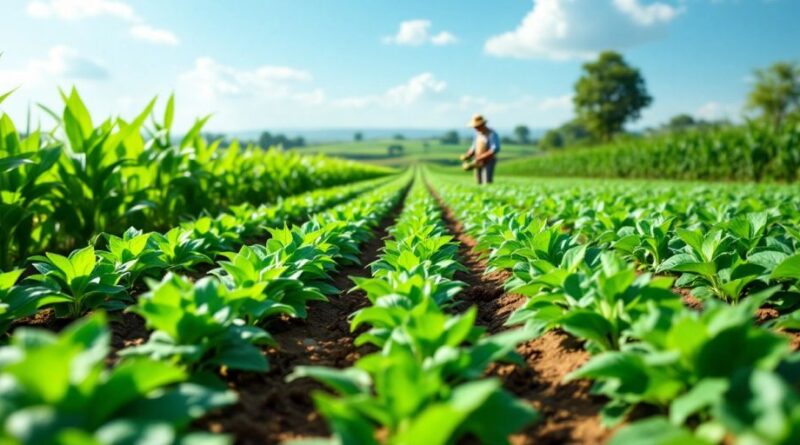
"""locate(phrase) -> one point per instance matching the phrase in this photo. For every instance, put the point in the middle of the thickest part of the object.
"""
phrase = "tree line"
(611, 93)
(265, 140)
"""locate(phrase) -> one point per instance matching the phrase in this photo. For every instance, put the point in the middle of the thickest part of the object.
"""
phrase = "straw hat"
(477, 121)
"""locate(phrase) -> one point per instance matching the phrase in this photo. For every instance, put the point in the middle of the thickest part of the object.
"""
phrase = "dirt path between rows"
(270, 410)
(569, 413)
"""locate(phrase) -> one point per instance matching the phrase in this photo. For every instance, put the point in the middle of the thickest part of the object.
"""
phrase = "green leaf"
(703, 395)
(789, 268)
(344, 381)
(169, 111)
(5, 95)
(589, 325)
(655, 431)
(130, 380)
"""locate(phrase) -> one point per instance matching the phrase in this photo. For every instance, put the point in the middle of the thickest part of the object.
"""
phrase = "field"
(168, 291)
(752, 152)
(414, 150)
(253, 226)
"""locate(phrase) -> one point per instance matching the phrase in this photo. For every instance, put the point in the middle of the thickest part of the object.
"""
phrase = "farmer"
(484, 149)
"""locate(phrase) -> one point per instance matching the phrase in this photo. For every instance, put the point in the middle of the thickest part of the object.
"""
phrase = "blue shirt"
(493, 141)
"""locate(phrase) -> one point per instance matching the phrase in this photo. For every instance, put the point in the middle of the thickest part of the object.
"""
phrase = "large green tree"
(609, 94)
(776, 92)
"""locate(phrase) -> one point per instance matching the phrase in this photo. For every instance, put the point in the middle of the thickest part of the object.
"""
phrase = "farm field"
(253, 226)
(414, 150)
(419, 308)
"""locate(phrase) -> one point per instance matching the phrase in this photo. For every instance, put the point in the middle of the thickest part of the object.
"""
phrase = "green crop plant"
(62, 188)
(197, 326)
(81, 282)
(58, 390)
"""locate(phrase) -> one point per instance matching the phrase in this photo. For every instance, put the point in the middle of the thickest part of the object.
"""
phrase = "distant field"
(377, 151)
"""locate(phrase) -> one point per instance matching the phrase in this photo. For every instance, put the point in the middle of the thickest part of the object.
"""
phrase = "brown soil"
(127, 329)
(44, 319)
(270, 410)
(569, 413)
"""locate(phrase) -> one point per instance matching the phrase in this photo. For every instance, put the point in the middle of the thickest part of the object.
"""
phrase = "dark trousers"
(485, 174)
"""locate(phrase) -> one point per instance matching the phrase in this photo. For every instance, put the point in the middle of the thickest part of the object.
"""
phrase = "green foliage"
(423, 385)
(450, 138)
(569, 134)
(752, 152)
(59, 191)
(81, 282)
(609, 93)
(713, 373)
(776, 92)
(57, 390)
(197, 326)
(522, 134)
(21, 300)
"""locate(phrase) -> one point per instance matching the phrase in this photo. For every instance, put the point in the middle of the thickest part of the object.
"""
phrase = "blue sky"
(369, 63)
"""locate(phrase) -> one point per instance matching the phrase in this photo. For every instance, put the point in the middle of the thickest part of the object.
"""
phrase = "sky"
(308, 64)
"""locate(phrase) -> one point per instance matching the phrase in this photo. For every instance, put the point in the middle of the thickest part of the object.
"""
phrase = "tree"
(776, 92)
(523, 134)
(395, 150)
(358, 136)
(570, 133)
(552, 139)
(609, 93)
(399, 137)
(450, 138)
(267, 140)
(681, 122)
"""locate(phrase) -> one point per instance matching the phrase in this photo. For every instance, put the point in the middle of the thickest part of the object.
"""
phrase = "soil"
(569, 412)
(127, 329)
(44, 319)
(270, 410)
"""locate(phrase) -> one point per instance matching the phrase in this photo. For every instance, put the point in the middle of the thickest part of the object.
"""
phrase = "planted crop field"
(262, 297)
(418, 309)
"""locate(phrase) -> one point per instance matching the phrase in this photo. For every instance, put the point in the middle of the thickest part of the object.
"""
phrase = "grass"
(414, 150)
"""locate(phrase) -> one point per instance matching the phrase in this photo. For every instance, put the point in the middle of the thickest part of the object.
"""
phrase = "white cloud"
(154, 35)
(83, 9)
(61, 63)
(563, 102)
(647, 15)
(417, 32)
(444, 38)
(714, 110)
(211, 80)
(415, 90)
(542, 112)
(579, 29)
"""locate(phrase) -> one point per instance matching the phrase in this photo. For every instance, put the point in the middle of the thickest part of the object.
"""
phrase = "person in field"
(484, 150)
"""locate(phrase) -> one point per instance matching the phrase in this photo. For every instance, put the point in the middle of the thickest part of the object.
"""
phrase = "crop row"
(105, 277)
(58, 388)
(423, 383)
(61, 188)
(603, 271)
(754, 152)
